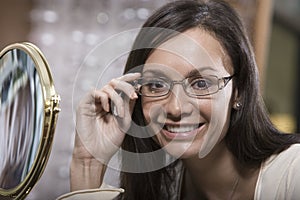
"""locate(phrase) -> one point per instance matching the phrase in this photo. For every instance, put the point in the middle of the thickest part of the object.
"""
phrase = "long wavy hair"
(251, 136)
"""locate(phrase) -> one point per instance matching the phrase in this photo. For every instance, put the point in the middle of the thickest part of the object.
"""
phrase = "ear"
(235, 95)
(237, 105)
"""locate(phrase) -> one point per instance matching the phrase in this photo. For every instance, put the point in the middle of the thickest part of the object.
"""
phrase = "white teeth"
(181, 129)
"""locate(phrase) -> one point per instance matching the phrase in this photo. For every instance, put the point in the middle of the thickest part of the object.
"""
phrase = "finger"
(129, 106)
(123, 84)
(126, 120)
(129, 77)
(115, 98)
(102, 98)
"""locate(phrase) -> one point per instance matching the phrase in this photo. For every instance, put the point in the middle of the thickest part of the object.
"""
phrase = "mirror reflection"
(21, 117)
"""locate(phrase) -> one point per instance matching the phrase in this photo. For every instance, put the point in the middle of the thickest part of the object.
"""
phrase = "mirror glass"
(21, 116)
(29, 108)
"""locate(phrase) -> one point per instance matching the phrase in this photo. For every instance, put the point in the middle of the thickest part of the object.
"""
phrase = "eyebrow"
(155, 72)
(194, 72)
(197, 72)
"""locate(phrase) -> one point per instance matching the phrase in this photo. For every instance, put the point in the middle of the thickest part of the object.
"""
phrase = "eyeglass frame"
(223, 80)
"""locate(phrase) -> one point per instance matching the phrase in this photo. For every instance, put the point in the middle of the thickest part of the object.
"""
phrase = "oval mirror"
(29, 108)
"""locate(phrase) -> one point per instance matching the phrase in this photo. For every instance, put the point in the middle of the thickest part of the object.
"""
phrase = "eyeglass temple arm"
(225, 81)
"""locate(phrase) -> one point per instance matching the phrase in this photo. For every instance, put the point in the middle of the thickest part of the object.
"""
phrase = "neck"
(215, 176)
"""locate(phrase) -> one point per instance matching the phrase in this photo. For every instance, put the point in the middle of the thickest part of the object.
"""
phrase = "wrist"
(86, 173)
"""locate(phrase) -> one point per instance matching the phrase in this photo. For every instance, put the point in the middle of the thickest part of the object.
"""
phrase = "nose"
(178, 104)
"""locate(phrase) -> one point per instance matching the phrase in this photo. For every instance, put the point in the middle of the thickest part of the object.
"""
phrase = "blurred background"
(71, 32)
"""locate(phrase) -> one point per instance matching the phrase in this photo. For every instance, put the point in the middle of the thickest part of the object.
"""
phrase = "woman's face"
(186, 126)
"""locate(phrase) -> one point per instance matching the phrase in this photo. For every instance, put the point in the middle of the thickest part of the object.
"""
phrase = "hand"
(99, 133)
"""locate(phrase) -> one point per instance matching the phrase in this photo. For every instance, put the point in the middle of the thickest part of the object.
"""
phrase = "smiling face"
(187, 126)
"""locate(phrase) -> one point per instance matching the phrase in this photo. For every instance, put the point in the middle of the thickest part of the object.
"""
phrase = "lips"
(181, 132)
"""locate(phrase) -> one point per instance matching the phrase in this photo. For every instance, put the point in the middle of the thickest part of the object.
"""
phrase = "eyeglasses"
(195, 86)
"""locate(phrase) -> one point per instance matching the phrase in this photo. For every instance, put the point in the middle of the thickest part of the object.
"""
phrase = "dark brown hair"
(251, 137)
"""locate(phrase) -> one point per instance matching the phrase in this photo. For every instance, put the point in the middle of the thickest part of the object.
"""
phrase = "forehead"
(194, 49)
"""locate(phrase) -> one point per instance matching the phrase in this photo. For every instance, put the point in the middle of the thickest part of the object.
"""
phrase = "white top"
(279, 178)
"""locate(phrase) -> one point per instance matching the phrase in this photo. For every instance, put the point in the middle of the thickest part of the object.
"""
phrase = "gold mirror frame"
(51, 109)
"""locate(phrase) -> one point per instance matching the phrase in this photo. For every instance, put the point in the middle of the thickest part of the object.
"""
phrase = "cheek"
(151, 110)
(220, 112)
(202, 108)
(219, 122)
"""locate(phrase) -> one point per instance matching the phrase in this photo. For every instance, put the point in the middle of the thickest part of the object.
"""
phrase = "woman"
(191, 86)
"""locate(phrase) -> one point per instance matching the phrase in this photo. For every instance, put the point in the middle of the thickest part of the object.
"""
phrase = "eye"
(201, 83)
(154, 86)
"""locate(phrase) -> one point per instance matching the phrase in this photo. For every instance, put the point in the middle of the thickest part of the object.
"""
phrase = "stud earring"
(237, 105)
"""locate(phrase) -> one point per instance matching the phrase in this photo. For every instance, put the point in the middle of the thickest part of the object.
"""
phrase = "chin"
(182, 150)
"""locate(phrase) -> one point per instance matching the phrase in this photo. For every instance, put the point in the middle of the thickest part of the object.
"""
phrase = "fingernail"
(134, 96)
(121, 112)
